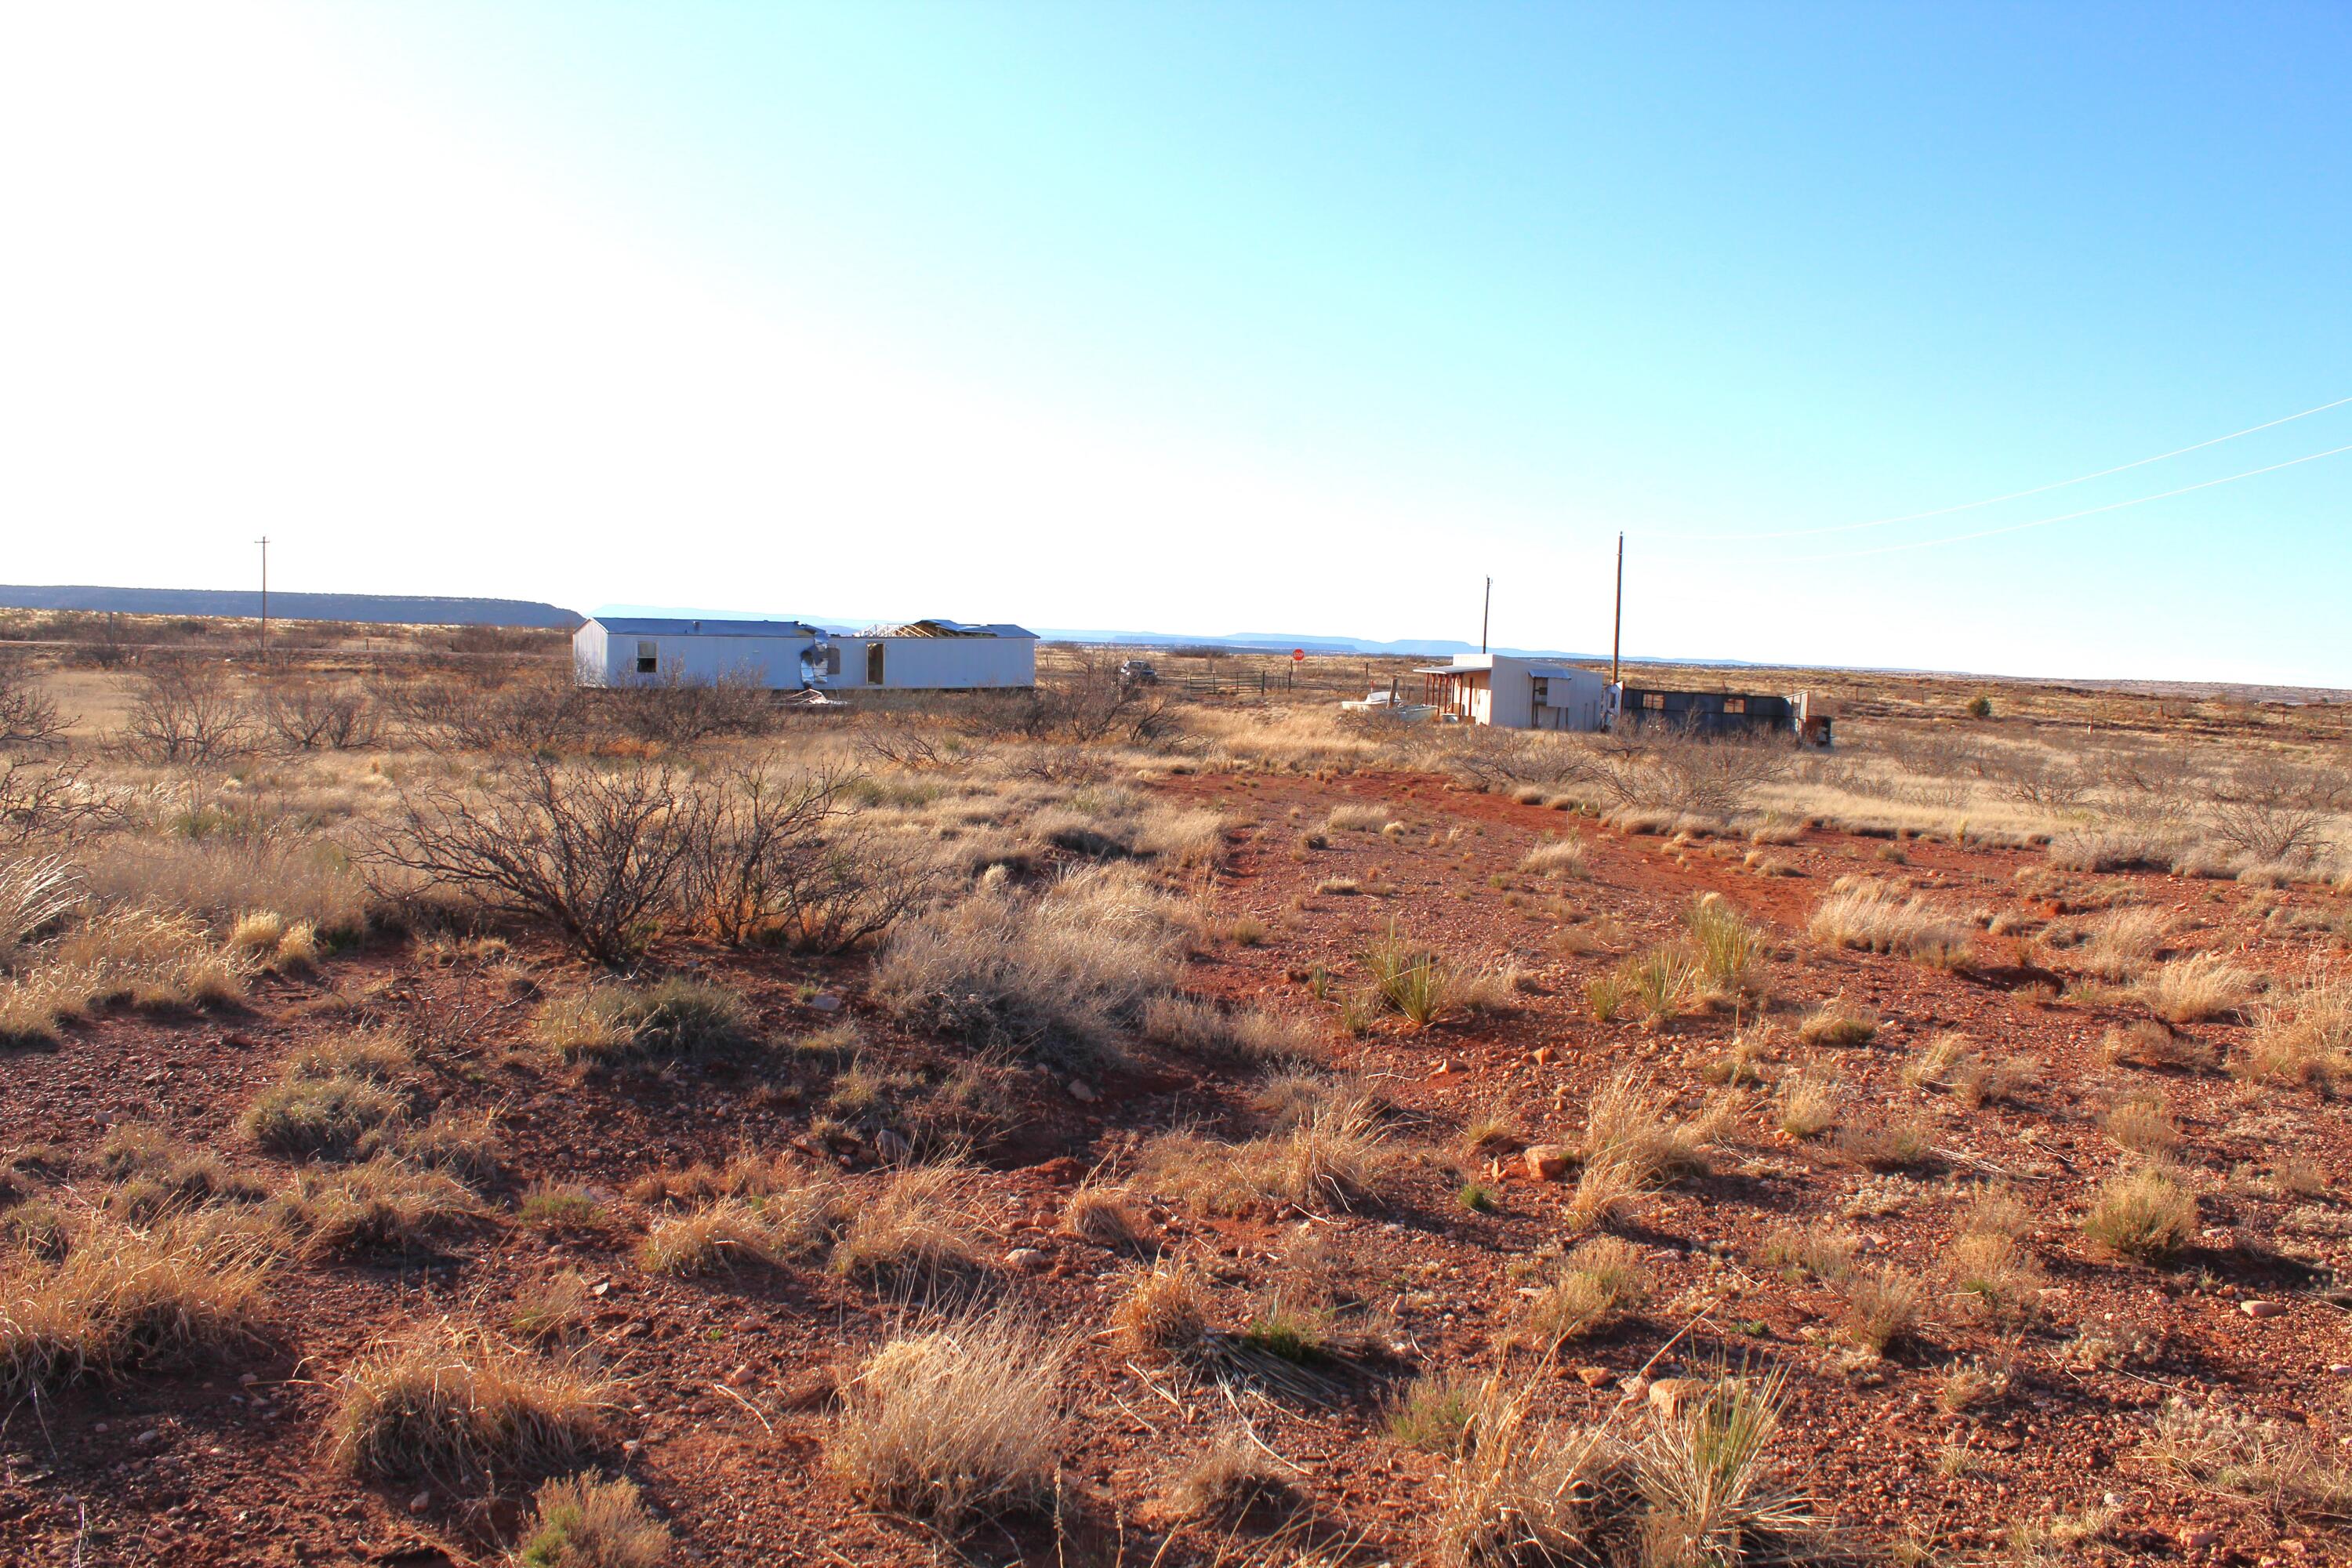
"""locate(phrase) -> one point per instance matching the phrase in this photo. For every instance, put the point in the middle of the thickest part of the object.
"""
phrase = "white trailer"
(794, 655)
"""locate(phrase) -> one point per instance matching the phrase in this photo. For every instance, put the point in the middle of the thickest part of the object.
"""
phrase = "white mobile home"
(1516, 693)
(794, 655)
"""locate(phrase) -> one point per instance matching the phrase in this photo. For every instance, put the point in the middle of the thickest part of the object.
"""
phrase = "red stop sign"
(1296, 655)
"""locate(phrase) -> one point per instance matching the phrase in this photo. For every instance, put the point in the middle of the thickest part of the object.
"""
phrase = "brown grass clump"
(2305, 1043)
(2122, 945)
(2202, 985)
(1838, 1024)
(965, 1420)
(915, 1234)
(1710, 1492)
(2141, 1125)
(1526, 1491)
(156, 1176)
(2145, 1213)
(2147, 1043)
(451, 1402)
(1434, 1414)
(1877, 917)
(268, 939)
(1994, 1273)
(1881, 1306)
(1557, 857)
(1808, 1104)
(1631, 1145)
(670, 1018)
(122, 1297)
(1817, 1251)
(720, 1236)
(335, 1100)
(129, 957)
(379, 1205)
(1244, 1035)
(1333, 1155)
(2282, 1468)
(1888, 1142)
(1228, 1476)
(1165, 1314)
(585, 1521)
(1106, 1216)
(1597, 1283)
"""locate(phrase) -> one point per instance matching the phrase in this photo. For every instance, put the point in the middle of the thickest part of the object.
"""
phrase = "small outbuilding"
(1516, 693)
(795, 655)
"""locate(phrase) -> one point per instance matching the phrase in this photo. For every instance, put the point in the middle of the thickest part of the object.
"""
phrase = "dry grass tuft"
(128, 957)
(916, 1235)
(1557, 857)
(2281, 1467)
(335, 1100)
(2141, 1125)
(2148, 1044)
(2202, 985)
(2305, 1043)
(1165, 1314)
(1331, 1157)
(452, 1402)
(1839, 1024)
(1877, 917)
(2123, 944)
(670, 1018)
(2144, 1213)
(1881, 1306)
(378, 1205)
(1600, 1282)
(1106, 1216)
(585, 1521)
(122, 1297)
(720, 1236)
(966, 1420)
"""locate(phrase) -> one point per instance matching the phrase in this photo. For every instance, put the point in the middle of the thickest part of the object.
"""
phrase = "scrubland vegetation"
(1119, 1124)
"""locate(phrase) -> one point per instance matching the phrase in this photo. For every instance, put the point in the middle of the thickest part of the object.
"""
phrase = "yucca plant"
(1408, 978)
(1659, 982)
(1726, 947)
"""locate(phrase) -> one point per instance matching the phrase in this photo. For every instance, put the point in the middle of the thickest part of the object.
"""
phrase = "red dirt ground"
(224, 1463)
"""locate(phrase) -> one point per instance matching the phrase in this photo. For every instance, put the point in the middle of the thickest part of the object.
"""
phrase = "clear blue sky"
(1209, 318)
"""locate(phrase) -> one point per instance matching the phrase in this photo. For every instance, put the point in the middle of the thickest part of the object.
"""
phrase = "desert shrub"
(309, 715)
(2202, 985)
(596, 853)
(1878, 918)
(584, 1521)
(2145, 1213)
(1599, 1281)
(451, 1402)
(785, 858)
(2272, 810)
(964, 1420)
(120, 1298)
(1056, 974)
(190, 711)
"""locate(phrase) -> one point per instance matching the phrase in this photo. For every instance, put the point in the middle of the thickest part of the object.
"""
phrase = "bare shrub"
(680, 711)
(781, 858)
(595, 852)
(188, 711)
(1689, 775)
(442, 714)
(2272, 810)
(455, 1403)
(964, 1420)
(312, 716)
(29, 717)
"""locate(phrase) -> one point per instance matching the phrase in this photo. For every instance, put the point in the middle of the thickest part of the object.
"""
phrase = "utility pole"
(1617, 625)
(264, 543)
(1485, 612)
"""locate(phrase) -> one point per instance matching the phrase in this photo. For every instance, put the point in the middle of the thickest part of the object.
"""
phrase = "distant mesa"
(381, 609)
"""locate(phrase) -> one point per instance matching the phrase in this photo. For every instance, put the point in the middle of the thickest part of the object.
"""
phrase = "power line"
(2068, 516)
(2016, 495)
